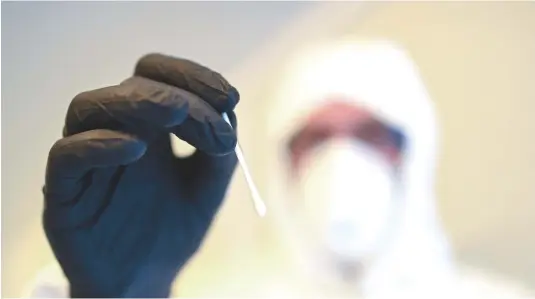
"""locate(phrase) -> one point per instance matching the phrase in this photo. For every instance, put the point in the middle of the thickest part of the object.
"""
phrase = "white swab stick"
(259, 205)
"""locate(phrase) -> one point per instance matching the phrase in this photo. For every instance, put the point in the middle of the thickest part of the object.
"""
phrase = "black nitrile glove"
(123, 214)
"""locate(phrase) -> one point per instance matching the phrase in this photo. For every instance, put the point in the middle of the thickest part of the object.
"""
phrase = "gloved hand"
(122, 213)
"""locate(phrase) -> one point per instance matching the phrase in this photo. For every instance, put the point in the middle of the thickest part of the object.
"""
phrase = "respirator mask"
(344, 202)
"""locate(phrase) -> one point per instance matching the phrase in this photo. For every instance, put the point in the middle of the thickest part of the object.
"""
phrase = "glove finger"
(72, 157)
(190, 76)
(206, 130)
(149, 109)
(208, 177)
(138, 106)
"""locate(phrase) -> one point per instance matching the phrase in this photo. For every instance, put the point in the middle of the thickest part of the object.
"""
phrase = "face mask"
(344, 200)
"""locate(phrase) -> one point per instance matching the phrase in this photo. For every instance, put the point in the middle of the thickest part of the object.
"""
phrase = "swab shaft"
(257, 200)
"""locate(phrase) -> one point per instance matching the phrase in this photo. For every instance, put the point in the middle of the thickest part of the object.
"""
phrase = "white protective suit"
(351, 221)
(403, 245)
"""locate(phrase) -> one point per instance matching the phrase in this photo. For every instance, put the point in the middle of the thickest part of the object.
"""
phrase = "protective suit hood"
(380, 77)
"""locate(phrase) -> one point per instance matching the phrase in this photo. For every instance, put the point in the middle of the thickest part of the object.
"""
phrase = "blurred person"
(356, 138)
(351, 195)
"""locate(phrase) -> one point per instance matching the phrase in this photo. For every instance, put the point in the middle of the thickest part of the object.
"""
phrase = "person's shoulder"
(490, 285)
(49, 282)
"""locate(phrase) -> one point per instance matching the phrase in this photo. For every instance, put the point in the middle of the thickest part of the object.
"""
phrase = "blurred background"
(477, 60)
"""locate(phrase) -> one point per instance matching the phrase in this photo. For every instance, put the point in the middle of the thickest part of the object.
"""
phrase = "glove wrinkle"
(107, 199)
